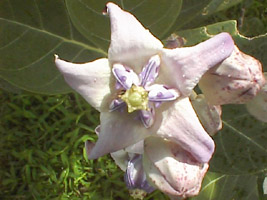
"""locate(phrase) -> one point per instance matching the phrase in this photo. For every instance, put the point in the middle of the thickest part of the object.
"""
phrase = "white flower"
(141, 92)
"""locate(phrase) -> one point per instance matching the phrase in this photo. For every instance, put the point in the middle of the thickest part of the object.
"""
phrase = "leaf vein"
(244, 136)
(15, 40)
(56, 36)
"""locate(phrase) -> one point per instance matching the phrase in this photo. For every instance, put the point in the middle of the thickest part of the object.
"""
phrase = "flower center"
(136, 98)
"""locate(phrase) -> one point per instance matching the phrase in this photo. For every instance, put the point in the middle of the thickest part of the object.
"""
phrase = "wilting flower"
(235, 81)
(142, 90)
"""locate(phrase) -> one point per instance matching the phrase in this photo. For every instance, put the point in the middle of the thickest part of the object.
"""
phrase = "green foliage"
(29, 39)
(41, 157)
(157, 15)
(190, 9)
(222, 187)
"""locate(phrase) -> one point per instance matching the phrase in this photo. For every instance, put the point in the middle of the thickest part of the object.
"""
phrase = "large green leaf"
(226, 187)
(241, 145)
(156, 15)
(190, 9)
(31, 31)
(9, 87)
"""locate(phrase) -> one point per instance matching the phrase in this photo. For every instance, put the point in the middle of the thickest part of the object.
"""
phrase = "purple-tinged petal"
(118, 86)
(172, 169)
(118, 131)
(147, 116)
(160, 93)
(150, 71)
(116, 104)
(157, 103)
(179, 123)
(131, 44)
(135, 177)
(126, 77)
(92, 80)
(183, 67)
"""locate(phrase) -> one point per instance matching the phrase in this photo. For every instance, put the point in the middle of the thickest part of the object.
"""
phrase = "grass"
(42, 151)
(42, 157)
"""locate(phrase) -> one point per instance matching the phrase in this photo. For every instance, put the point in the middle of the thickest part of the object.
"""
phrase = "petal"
(116, 104)
(135, 177)
(150, 71)
(175, 171)
(161, 93)
(209, 115)
(147, 116)
(121, 159)
(136, 148)
(131, 44)
(118, 130)
(257, 107)
(235, 81)
(181, 125)
(183, 67)
(126, 77)
(92, 80)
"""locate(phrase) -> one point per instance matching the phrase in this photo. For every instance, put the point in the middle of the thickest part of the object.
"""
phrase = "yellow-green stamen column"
(136, 98)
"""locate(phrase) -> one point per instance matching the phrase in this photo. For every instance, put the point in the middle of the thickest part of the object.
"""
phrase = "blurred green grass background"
(42, 137)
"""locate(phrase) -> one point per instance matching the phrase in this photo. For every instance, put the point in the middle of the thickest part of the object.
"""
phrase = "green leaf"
(156, 15)
(227, 4)
(8, 87)
(209, 14)
(218, 5)
(256, 46)
(241, 144)
(31, 32)
(190, 9)
(224, 187)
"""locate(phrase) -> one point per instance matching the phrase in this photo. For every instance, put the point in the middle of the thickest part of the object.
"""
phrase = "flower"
(141, 92)
(235, 81)
(132, 47)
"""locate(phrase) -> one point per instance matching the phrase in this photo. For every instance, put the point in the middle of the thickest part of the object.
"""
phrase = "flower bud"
(208, 115)
(258, 105)
(171, 169)
(235, 81)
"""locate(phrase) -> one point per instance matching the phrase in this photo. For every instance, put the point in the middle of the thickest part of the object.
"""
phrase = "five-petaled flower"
(142, 91)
